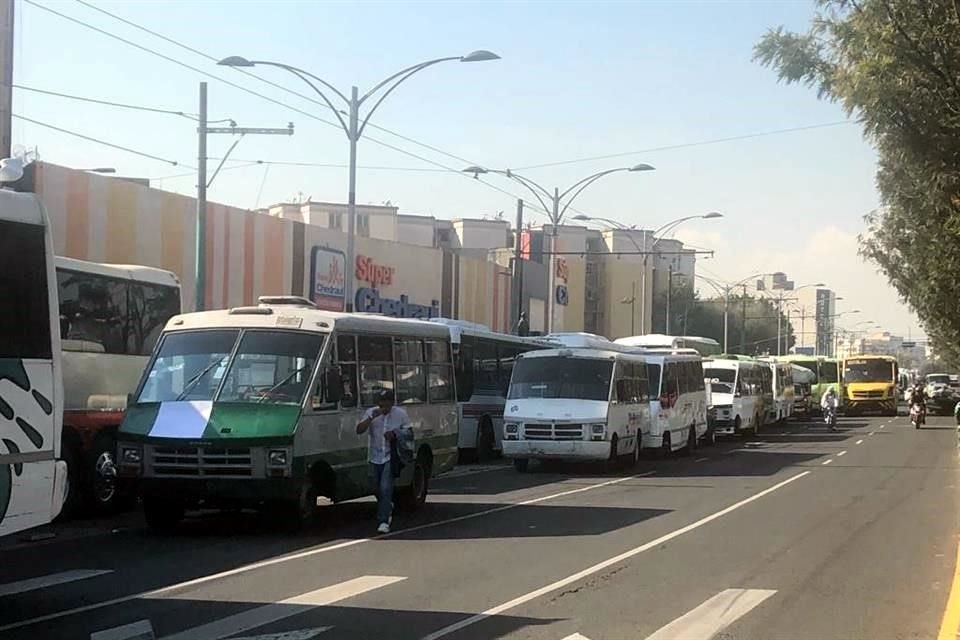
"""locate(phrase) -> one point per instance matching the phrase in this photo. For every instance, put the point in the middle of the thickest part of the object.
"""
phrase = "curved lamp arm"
(401, 75)
(306, 76)
(580, 186)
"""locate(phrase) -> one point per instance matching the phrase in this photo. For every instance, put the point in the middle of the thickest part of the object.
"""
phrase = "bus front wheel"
(414, 496)
(522, 465)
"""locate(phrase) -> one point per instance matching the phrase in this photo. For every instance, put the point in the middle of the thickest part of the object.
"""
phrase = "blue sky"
(576, 80)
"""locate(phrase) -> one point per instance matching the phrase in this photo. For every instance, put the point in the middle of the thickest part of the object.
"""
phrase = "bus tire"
(737, 426)
(666, 447)
(486, 440)
(522, 465)
(411, 498)
(710, 439)
(296, 514)
(162, 514)
(101, 488)
(635, 458)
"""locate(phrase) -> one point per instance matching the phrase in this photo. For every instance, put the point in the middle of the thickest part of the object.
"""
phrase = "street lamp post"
(643, 251)
(726, 289)
(354, 127)
(780, 298)
(557, 207)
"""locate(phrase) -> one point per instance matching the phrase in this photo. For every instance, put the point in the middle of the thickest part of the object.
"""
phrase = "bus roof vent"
(288, 301)
(250, 311)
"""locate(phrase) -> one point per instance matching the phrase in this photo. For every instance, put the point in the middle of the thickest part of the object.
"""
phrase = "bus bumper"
(557, 449)
(223, 492)
(887, 406)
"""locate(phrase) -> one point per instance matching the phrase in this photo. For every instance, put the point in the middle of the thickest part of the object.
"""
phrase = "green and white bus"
(258, 406)
(825, 370)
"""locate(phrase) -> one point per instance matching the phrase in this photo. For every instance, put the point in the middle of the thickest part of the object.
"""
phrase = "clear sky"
(577, 80)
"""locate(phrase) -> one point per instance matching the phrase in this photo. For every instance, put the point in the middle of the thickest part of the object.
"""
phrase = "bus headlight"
(277, 458)
(131, 456)
(511, 431)
(597, 430)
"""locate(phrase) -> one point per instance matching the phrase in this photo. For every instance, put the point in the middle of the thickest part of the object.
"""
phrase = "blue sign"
(370, 301)
(562, 296)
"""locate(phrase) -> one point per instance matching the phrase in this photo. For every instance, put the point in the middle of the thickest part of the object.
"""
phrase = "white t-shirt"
(378, 450)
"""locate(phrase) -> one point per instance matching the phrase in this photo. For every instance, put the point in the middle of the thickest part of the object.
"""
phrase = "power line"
(264, 80)
(179, 63)
(194, 174)
(108, 103)
(99, 141)
(329, 165)
(687, 145)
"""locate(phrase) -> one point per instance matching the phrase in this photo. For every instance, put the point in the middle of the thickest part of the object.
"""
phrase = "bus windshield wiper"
(196, 379)
(264, 394)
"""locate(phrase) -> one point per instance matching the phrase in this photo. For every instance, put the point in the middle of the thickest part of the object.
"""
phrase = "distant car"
(941, 396)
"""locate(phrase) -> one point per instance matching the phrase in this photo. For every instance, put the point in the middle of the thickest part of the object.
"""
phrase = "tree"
(895, 65)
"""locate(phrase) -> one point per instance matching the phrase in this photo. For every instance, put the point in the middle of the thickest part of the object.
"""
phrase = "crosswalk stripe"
(267, 614)
(299, 634)
(576, 636)
(32, 584)
(714, 615)
(139, 630)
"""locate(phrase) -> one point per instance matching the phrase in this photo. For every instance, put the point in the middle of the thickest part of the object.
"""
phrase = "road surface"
(796, 534)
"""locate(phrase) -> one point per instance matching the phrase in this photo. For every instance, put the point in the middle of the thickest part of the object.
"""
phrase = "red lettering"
(376, 274)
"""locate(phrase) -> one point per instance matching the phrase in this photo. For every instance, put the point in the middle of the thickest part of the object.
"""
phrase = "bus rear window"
(25, 321)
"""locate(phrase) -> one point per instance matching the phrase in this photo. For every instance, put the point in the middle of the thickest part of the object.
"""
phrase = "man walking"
(382, 422)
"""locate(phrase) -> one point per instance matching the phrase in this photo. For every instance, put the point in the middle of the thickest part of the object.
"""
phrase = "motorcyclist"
(829, 402)
(919, 398)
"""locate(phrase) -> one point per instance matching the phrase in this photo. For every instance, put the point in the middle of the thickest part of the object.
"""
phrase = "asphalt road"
(798, 533)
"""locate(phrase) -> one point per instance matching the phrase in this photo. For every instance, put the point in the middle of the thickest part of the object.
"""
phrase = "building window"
(335, 221)
(363, 225)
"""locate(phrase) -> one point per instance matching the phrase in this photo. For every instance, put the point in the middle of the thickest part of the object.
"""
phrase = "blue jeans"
(382, 477)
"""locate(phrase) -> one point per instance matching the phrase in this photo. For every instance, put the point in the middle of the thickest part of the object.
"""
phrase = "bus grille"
(535, 431)
(867, 394)
(206, 462)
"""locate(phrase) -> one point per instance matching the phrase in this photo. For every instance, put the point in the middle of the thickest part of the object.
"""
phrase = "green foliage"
(895, 65)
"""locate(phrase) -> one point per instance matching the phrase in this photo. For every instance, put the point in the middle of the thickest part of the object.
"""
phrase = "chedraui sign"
(370, 300)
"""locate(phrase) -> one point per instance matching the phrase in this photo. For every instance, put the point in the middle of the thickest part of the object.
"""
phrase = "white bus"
(257, 407)
(704, 346)
(783, 392)
(33, 478)
(737, 395)
(678, 400)
(576, 404)
(483, 361)
(110, 318)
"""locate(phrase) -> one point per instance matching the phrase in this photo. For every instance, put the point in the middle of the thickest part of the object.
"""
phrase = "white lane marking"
(139, 630)
(882, 426)
(600, 566)
(267, 614)
(311, 552)
(870, 434)
(32, 584)
(859, 441)
(714, 615)
(842, 453)
(827, 461)
(576, 636)
(697, 460)
(299, 634)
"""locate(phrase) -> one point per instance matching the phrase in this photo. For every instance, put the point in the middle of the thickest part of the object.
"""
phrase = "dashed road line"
(827, 461)
(842, 453)
(600, 566)
(701, 459)
(859, 441)
(713, 616)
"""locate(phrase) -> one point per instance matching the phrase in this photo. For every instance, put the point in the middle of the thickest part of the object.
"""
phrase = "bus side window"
(464, 368)
(347, 361)
(376, 367)
(643, 385)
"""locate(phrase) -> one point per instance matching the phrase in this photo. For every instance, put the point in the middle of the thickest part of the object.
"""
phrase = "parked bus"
(870, 384)
(483, 361)
(781, 406)
(110, 318)
(736, 389)
(576, 404)
(804, 401)
(825, 370)
(704, 346)
(258, 407)
(33, 477)
(678, 400)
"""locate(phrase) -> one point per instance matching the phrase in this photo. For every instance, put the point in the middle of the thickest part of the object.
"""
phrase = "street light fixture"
(555, 212)
(662, 230)
(779, 300)
(354, 125)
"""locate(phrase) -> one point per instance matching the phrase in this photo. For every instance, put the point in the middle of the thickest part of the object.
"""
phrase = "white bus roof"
(581, 340)
(724, 363)
(588, 353)
(21, 207)
(303, 318)
(136, 273)
(459, 328)
(662, 340)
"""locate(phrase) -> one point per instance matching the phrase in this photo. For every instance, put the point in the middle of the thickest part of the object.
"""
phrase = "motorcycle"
(916, 415)
(830, 417)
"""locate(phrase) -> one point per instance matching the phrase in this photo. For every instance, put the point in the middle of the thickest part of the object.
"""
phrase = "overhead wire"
(312, 116)
(109, 103)
(75, 134)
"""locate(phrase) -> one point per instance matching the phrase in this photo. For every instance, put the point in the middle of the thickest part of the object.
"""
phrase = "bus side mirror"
(129, 399)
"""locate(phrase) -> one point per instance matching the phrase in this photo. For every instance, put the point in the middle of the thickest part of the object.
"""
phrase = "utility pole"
(743, 322)
(200, 268)
(6, 76)
(669, 297)
(633, 307)
(518, 260)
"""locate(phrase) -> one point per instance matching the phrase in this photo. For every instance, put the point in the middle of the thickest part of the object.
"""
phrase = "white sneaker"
(383, 528)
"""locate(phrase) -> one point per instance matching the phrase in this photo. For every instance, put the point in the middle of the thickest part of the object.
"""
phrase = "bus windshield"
(828, 371)
(811, 366)
(868, 371)
(269, 366)
(721, 380)
(559, 377)
(938, 378)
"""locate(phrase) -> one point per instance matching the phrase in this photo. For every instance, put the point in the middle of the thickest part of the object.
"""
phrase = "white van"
(678, 400)
(576, 404)
(736, 393)
(783, 393)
